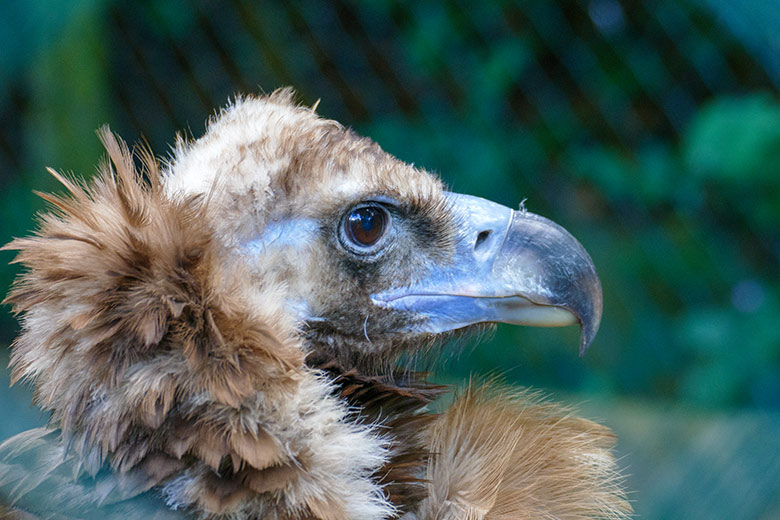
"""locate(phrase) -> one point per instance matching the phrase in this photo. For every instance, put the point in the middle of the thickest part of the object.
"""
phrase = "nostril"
(481, 238)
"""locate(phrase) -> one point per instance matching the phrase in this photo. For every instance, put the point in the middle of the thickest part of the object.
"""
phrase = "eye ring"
(365, 227)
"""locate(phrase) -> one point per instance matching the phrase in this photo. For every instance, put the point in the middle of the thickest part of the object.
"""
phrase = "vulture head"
(216, 336)
(371, 255)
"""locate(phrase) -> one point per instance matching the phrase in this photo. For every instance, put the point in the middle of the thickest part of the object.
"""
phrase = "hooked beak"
(510, 267)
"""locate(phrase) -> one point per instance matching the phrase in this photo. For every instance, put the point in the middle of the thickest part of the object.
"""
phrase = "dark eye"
(365, 226)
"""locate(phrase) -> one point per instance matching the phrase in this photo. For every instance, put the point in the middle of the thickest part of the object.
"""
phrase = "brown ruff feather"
(501, 454)
(142, 342)
(399, 404)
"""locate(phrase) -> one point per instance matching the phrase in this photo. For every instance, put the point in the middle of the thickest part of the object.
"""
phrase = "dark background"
(649, 129)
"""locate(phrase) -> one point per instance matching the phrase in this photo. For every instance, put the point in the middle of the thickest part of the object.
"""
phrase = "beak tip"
(591, 318)
(585, 341)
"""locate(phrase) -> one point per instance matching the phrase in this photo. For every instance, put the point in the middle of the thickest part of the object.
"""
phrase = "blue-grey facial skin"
(508, 266)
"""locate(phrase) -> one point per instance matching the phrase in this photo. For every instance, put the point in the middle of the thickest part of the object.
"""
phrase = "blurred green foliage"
(652, 134)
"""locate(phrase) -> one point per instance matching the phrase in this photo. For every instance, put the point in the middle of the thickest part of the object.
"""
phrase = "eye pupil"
(365, 226)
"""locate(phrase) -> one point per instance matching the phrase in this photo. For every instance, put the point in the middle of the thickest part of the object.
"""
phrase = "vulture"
(221, 334)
